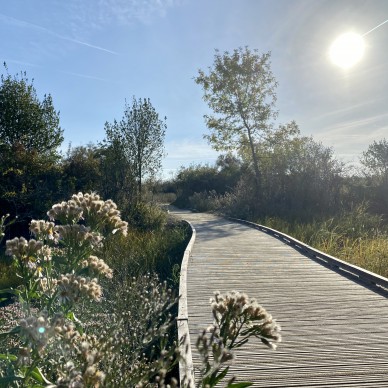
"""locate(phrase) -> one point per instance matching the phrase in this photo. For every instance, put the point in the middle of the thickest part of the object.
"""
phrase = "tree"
(240, 89)
(139, 136)
(82, 170)
(375, 159)
(25, 120)
(29, 137)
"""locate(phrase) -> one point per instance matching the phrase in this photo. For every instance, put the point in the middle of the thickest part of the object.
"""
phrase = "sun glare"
(347, 50)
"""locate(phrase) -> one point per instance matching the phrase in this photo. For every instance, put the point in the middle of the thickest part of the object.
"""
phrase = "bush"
(147, 217)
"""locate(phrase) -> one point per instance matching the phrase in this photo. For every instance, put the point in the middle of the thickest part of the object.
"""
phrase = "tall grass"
(355, 236)
(140, 252)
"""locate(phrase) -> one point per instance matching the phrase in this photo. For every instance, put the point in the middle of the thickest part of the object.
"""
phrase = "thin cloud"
(23, 63)
(354, 135)
(85, 76)
(24, 24)
(127, 11)
(345, 110)
(185, 153)
(347, 127)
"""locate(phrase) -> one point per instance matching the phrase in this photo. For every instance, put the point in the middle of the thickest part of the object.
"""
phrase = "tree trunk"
(256, 205)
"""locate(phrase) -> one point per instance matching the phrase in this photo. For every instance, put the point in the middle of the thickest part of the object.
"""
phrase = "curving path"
(335, 330)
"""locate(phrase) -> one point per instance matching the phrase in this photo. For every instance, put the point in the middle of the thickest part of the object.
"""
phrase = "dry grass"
(356, 237)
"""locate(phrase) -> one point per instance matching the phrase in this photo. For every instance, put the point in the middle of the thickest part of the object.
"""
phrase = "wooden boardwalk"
(335, 330)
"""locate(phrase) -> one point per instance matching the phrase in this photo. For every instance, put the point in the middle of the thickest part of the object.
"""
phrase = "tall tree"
(240, 89)
(29, 137)
(25, 121)
(141, 136)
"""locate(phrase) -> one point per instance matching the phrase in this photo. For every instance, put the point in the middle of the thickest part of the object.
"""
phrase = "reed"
(356, 237)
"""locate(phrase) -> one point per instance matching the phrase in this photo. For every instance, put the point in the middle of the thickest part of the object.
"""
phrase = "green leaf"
(37, 374)
(10, 357)
(221, 376)
(78, 324)
(9, 291)
(239, 385)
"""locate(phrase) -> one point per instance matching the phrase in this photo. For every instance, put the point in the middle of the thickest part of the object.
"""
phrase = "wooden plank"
(334, 328)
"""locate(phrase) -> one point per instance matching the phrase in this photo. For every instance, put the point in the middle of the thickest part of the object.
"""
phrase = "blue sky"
(91, 55)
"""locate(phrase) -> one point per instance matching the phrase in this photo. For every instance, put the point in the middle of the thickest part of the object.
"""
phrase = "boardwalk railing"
(376, 282)
(186, 368)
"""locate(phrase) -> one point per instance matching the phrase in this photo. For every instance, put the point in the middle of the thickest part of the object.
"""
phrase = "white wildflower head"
(42, 229)
(244, 316)
(100, 214)
(98, 266)
(26, 251)
(66, 212)
(78, 234)
(72, 288)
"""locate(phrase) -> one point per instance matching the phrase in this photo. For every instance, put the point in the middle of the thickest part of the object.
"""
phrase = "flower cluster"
(244, 317)
(98, 266)
(236, 319)
(99, 212)
(42, 229)
(66, 212)
(88, 374)
(22, 248)
(78, 234)
(59, 273)
(26, 252)
(73, 287)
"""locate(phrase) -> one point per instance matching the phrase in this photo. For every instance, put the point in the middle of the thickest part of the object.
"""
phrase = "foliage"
(205, 201)
(220, 178)
(147, 217)
(355, 236)
(143, 251)
(375, 159)
(240, 89)
(140, 137)
(236, 319)
(59, 270)
(300, 178)
(24, 120)
(29, 136)
(118, 178)
(137, 315)
(28, 182)
(82, 170)
(195, 178)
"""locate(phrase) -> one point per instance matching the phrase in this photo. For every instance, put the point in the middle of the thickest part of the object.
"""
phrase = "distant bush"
(146, 217)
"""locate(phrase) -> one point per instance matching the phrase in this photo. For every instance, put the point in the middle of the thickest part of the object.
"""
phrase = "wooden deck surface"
(335, 331)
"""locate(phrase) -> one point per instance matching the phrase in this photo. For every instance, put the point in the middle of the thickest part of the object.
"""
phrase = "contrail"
(375, 28)
(37, 27)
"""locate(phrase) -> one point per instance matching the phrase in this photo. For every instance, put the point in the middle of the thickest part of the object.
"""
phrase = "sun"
(347, 50)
